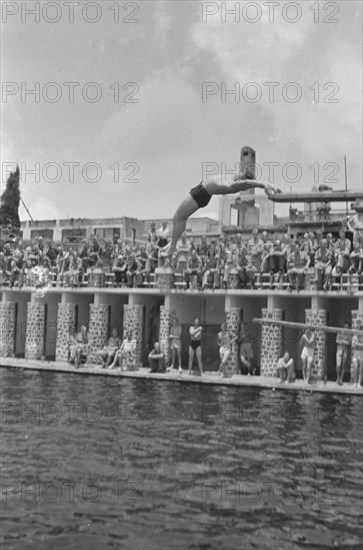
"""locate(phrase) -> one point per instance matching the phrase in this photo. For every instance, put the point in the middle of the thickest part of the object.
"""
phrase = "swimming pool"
(99, 462)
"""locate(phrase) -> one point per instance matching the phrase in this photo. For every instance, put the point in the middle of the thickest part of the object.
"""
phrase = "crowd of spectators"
(202, 265)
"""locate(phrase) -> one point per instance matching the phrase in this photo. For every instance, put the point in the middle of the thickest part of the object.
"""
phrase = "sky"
(151, 114)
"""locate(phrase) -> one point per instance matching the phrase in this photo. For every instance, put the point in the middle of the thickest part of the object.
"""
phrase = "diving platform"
(326, 196)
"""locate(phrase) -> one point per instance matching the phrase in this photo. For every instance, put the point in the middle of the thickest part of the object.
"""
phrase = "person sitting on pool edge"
(156, 359)
(78, 347)
(125, 353)
(200, 195)
(285, 368)
(107, 353)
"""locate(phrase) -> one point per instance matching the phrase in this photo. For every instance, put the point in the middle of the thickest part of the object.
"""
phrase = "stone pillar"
(66, 325)
(316, 318)
(134, 320)
(166, 317)
(7, 328)
(35, 330)
(164, 278)
(99, 324)
(271, 342)
(233, 324)
(356, 315)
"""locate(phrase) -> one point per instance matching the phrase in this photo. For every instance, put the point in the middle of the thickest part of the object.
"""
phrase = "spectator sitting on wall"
(210, 269)
(279, 261)
(142, 259)
(107, 353)
(83, 254)
(33, 254)
(133, 272)
(323, 266)
(356, 265)
(297, 264)
(119, 268)
(194, 269)
(51, 253)
(73, 269)
(156, 359)
(27, 272)
(94, 251)
(125, 352)
(355, 224)
(342, 254)
(285, 368)
(14, 274)
(267, 254)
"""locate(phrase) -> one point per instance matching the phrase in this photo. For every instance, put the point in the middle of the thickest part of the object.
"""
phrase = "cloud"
(309, 54)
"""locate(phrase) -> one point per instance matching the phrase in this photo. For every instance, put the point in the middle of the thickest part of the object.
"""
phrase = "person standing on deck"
(343, 343)
(246, 350)
(225, 342)
(175, 344)
(195, 346)
(357, 346)
(307, 342)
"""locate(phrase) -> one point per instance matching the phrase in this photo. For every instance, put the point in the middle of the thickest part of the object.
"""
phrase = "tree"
(9, 202)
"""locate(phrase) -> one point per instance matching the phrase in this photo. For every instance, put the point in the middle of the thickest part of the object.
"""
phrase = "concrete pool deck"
(210, 377)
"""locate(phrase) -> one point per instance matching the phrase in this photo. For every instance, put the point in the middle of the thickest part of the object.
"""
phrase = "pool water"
(91, 462)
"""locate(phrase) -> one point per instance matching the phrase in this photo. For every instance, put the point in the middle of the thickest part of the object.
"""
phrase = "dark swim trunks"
(195, 344)
(200, 195)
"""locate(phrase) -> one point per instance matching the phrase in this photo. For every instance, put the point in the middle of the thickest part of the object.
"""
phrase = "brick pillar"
(233, 324)
(164, 278)
(166, 317)
(134, 320)
(66, 325)
(35, 330)
(356, 315)
(7, 328)
(318, 318)
(98, 329)
(271, 342)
